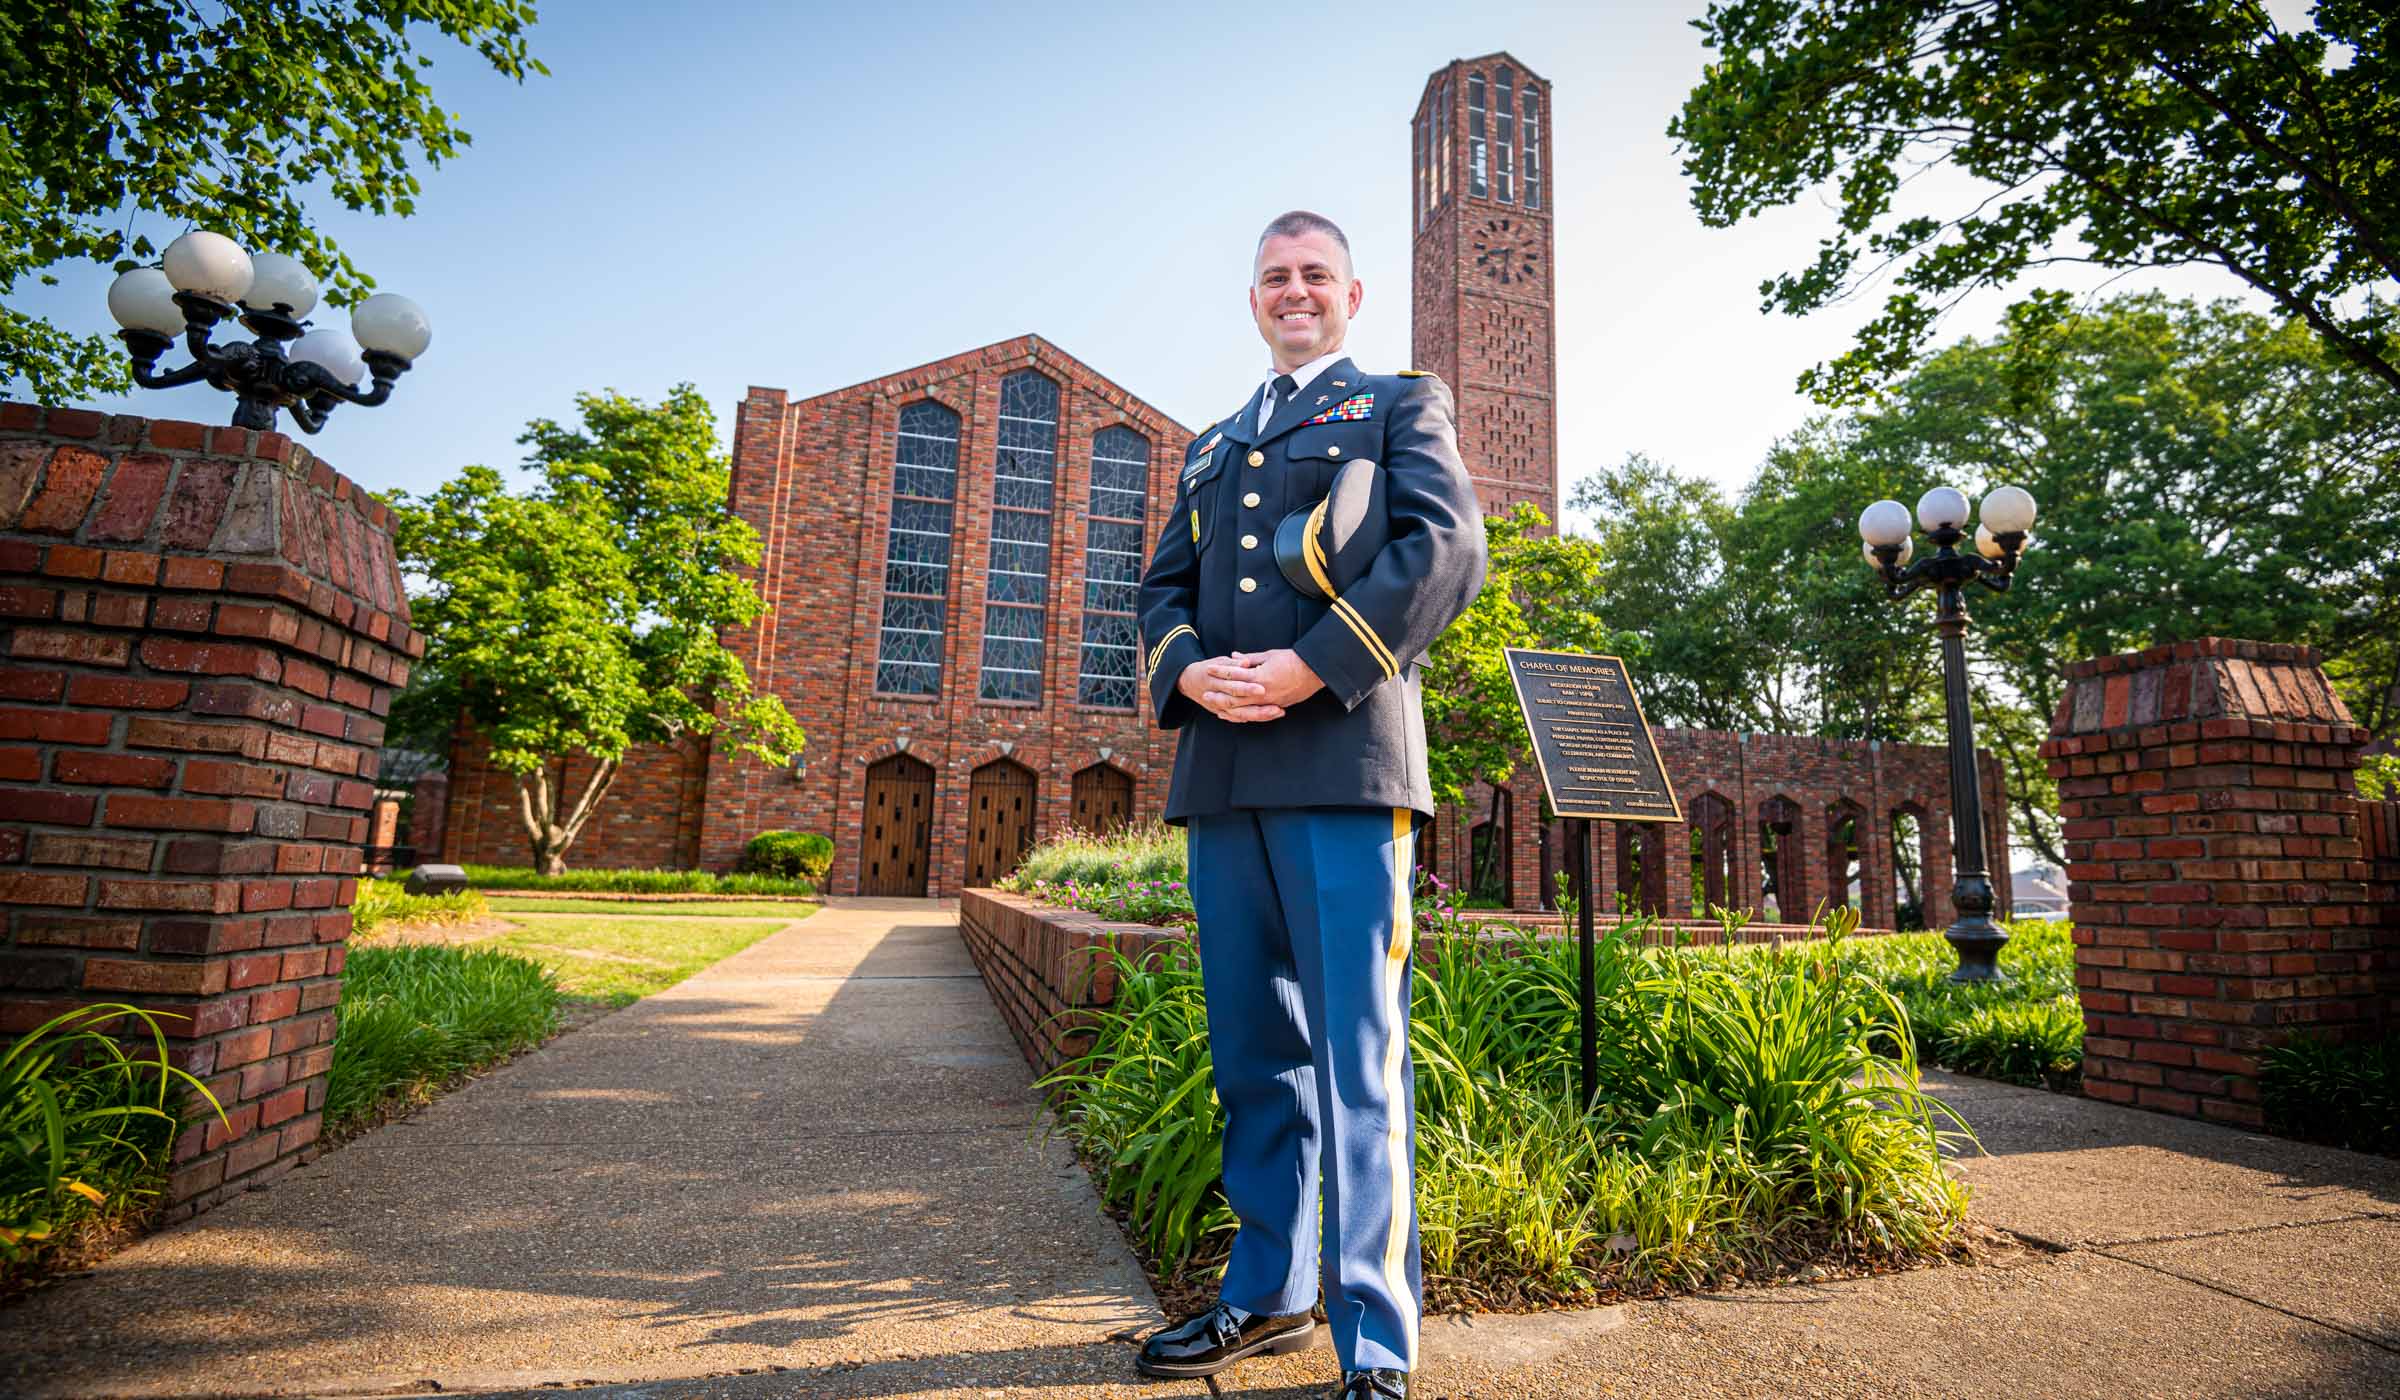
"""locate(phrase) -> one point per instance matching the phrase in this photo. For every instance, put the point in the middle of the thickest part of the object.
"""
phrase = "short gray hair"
(1298, 222)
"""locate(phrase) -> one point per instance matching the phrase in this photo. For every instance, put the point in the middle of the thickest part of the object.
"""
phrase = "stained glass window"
(916, 564)
(1017, 586)
(1477, 160)
(1418, 186)
(1533, 149)
(1504, 150)
(1441, 141)
(1112, 569)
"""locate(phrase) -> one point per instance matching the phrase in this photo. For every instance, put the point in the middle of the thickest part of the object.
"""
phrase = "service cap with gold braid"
(1326, 547)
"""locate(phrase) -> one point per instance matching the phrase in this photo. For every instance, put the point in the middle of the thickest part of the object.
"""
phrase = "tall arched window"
(1112, 568)
(1533, 148)
(1477, 159)
(1504, 110)
(1419, 185)
(1017, 587)
(916, 560)
(1441, 141)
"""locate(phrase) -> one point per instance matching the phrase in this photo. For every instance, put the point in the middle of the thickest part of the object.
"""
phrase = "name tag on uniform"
(1199, 464)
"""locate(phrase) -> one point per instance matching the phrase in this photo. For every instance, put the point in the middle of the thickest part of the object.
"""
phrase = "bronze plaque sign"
(1590, 739)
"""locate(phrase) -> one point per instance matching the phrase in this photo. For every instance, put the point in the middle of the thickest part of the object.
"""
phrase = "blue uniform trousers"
(1304, 955)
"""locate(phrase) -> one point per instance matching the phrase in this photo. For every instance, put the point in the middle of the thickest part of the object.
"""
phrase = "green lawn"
(619, 960)
(785, 909)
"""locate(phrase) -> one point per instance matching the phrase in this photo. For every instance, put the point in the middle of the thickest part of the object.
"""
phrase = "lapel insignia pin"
(1339, 384)
(1321, 398)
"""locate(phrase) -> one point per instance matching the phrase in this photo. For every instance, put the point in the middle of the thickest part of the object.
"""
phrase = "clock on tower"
(1483, 317)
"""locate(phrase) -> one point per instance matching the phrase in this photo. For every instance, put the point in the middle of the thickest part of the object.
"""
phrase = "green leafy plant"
(2327, 1091)
(789, 855)
(416, 1016)
(383, 903)
(523, 877)
(85, 1126)
(1755, 1107)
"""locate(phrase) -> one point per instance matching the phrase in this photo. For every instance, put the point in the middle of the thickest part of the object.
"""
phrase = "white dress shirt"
(1267, 405)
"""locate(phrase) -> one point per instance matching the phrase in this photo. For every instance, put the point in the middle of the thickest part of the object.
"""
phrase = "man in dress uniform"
(1300, 778)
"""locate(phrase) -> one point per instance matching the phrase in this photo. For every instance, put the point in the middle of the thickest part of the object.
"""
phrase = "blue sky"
(806, 196)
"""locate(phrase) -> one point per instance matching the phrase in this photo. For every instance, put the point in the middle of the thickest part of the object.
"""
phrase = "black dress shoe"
(1378, 1384)
(1207, 1344)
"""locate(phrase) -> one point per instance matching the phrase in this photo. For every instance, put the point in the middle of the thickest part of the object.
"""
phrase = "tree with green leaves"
(584, 616)
(2201, 470)
(222, 117)
(2119, 136)
(1540, 590)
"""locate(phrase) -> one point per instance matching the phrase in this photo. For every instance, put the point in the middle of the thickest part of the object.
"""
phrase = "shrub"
(415, 1016)
(790, 855)
(383, 903)
(85, 1127)
(2346, 1095)
(1150, 852)
(522, 877)
(1750, 1111)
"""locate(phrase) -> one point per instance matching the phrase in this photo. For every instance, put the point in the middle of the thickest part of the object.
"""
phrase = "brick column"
(2215, 870)
(203, 629)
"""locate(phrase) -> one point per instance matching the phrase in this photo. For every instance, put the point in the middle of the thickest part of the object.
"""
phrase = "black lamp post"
(207, 278)
(1884, 526)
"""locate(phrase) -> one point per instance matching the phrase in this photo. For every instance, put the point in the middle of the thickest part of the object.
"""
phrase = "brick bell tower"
(1485, 300)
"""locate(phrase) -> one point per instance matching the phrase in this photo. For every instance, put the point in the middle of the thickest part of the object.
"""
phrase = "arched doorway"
(1712, 854)
(1845, 855)
(896, 837)
(1641, 868)
(1488, 852)
(1910, 859)
(1103, 799)
(1783, 896)
(999, 820)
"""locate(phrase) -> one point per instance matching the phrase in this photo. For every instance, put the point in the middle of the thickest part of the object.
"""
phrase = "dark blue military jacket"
(1213, 588)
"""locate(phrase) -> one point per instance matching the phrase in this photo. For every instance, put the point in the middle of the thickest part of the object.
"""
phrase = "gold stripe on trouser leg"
(1395, 1105)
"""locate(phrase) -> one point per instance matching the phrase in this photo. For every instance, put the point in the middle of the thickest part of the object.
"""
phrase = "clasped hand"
(1248, 687)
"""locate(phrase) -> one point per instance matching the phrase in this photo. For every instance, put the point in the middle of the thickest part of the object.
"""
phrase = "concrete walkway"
(812, 1170)
(819, 1156)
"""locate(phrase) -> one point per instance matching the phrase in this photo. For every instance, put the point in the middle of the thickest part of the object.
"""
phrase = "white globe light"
(144, 300)
(1907, 549)
(210, 264)
(1985, 545)
(2009, 510)
(332, 350)
(280, 280)
(1885, 522)
(1942, 506)
(392, 324)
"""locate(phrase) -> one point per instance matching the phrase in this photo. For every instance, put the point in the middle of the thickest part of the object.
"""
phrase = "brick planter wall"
(1044, 966)
(203, 628)
(2215, 868)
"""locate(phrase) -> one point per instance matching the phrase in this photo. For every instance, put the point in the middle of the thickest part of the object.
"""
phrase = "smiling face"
(1303, 296)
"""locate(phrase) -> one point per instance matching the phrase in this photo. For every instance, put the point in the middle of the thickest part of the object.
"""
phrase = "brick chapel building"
(951, 554)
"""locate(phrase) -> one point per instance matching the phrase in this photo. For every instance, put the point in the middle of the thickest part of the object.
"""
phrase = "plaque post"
(1588, 1002)
(1598, 760)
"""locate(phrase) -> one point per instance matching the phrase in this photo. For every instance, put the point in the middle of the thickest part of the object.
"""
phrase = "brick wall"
(1822, 779)
(650, 819)
(203, 628)
(1047, 968)
(814, 477)
(2219, 884)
